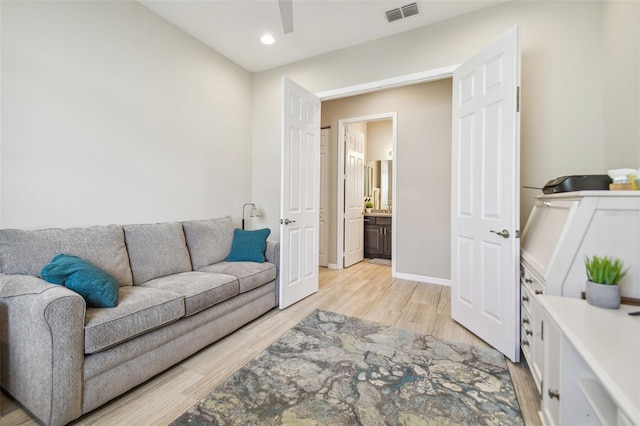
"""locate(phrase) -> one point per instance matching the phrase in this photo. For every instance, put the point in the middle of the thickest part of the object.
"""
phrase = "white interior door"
(300, 194)
(485, 195)
(323, 230)
(354, 198)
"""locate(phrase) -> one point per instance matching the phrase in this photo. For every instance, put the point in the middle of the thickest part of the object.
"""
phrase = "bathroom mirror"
(379, 174)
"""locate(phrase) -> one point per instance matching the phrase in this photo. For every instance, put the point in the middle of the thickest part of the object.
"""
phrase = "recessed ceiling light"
(267, 39)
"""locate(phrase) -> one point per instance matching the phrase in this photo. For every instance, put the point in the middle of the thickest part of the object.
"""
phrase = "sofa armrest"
(42, 347)
(272, 255)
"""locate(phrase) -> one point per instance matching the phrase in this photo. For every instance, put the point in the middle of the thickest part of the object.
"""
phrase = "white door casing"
(354, 197)
(300, 194)
(323, 230)
(485, 195)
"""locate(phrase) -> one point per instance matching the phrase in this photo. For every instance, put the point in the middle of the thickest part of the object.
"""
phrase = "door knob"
(504, 233)
(286, 221)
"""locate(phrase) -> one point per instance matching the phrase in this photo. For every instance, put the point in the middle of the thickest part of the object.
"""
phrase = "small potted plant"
(368, 205)
(603, 276)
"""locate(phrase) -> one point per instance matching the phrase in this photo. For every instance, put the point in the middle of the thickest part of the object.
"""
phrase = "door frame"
(389, 83)
(342, 124)
(323, 232)
(433, 74)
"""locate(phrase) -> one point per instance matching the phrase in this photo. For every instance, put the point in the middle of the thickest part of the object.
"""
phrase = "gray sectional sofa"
(61, 359)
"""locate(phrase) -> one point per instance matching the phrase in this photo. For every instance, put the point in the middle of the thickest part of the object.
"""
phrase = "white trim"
(423, 279)
(340, 180)
(334, 266)
(388, 83)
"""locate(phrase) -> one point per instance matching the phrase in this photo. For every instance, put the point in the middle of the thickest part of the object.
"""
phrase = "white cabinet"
(550, 391)
(531, 323)
(592, 364)
(562, 229)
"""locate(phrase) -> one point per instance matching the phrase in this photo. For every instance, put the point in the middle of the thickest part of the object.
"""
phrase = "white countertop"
(609, 342)
(379, 214)
(601, 193)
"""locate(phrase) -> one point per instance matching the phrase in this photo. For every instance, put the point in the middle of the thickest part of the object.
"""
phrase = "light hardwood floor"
(364, 290)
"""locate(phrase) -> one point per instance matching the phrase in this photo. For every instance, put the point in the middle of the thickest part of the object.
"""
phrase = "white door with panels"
(300, 194)
(485, 247)
(354, 198)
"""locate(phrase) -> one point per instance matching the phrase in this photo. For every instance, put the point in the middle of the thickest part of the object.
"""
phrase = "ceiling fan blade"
(286, 15)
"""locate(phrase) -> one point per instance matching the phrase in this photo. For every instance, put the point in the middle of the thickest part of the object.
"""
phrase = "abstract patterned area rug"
(332, 369)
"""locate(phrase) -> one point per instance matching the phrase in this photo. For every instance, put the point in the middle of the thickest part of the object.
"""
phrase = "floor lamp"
(253, 213)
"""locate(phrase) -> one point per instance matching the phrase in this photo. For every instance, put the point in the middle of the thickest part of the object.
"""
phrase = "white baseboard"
(334, 266)
(423, 279)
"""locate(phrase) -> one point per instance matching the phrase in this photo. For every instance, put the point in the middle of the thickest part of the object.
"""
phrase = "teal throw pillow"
(248, 246)
(97, 287)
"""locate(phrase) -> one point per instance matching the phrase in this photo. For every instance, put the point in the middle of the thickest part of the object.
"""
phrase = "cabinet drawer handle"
(528, 280)
(525, 342)
(525, 298)
(539, 291)
(528, 332)
(525, 320)
(554, 394)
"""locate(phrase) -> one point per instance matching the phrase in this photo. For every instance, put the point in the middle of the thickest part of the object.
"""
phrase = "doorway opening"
(350, 198)
(420, 202)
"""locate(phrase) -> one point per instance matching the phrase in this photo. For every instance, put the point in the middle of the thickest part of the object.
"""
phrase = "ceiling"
(234, 27)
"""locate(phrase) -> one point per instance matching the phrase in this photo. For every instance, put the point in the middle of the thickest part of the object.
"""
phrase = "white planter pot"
(603, 295)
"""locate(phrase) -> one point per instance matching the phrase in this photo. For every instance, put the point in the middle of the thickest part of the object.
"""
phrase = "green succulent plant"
(604, 270)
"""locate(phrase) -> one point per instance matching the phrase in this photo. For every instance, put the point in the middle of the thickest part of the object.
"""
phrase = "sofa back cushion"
(209, 241)
(156, 250)
(27, 252)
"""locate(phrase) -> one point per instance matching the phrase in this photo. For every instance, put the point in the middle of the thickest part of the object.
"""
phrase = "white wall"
(112, 115)
(563, 108)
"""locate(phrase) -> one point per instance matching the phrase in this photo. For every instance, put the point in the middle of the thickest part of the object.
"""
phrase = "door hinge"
(517, 233)
(542, 330)
(518, 99)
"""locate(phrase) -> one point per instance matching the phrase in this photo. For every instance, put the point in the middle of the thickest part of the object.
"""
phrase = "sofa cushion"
(139, 310)
(248, 246)
(97, 287)
(27, 252)
(201, 290)
(156, 250)
(209, 241)
(250, 274)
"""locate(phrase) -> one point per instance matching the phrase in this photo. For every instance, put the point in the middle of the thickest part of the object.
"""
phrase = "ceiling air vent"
(402, 12)
(393, 15)
(410, 10)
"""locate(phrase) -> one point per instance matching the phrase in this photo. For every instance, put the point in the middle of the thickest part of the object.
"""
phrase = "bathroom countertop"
(379, 214)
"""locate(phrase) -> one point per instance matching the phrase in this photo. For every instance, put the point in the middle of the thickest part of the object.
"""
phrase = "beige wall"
(621, 32)
(566, 118)
(112, 115)
(423, 167)
(379, 140)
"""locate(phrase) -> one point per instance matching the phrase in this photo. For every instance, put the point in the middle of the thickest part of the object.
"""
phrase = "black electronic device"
(577, 183)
